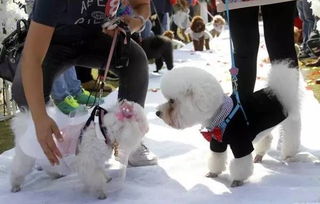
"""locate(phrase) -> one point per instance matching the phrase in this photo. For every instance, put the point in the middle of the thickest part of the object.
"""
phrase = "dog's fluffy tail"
(286, 84)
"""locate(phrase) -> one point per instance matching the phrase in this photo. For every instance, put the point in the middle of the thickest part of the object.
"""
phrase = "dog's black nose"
(158, 113)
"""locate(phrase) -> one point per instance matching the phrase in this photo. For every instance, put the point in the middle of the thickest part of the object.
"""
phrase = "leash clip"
(111, 23)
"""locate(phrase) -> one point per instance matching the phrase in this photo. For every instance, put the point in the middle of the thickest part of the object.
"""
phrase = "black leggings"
(84, 75)
(278, 34)
(88, 50)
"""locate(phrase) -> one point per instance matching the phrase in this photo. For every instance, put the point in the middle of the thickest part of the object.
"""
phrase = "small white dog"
(195, 96)
(121, 130)
(218, 23)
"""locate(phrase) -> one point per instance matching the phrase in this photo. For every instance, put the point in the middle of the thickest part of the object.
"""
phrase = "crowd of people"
(166, 16)
(310, 35)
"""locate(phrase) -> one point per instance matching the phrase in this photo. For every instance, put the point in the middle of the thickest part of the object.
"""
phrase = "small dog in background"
(196, 97)
(124, 126)
(181, 20)
(176, 44)
(198, 34)
(158, 48)
(218, 23)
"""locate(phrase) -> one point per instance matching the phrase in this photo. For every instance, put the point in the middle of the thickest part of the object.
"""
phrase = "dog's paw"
(55, 176)
(258, 158)
(302, 157)
(236, 183)
(102, 195)
(16, 188)
(317, 162)
(211, 175)
(108, 179)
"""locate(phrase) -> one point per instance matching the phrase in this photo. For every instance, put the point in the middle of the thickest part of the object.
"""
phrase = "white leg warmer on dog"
(241, 168)
(217, 162)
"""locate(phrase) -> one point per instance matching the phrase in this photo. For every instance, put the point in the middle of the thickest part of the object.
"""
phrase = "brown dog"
(198, 34)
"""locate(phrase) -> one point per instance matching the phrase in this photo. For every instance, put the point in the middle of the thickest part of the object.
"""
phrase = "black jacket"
(263, 111)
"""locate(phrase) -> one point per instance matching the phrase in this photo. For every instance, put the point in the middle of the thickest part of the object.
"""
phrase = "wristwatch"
(143, 22)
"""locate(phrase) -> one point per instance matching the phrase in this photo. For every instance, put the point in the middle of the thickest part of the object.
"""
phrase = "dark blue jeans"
(73, 45)
(308, 20)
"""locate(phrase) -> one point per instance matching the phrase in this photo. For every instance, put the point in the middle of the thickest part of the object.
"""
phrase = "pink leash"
(113, 45)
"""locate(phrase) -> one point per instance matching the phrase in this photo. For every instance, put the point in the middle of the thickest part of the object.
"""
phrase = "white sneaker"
(142, 157)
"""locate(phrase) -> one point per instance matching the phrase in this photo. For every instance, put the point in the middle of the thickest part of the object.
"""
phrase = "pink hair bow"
(126, 111)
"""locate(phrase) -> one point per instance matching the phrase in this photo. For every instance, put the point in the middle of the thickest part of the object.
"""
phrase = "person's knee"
(138, 59)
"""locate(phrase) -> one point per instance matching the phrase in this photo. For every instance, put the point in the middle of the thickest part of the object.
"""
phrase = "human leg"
(165, 22)
(58, 59)
(83, 74)
(147, 32)
(76, 91)
(280, 44)
(245, 37)
(305, 13)
(59, 88)
(133, 86)
(134, 79)
(61, 94)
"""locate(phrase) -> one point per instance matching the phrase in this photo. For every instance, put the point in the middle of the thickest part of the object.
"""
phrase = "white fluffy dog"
(195, 96)
(124, 125)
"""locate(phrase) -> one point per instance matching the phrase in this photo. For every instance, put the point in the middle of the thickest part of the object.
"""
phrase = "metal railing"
(7, 105)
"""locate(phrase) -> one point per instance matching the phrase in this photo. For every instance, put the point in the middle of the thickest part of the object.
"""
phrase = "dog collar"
(218, 122)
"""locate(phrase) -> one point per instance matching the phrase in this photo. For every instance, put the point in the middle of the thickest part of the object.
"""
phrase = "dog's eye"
(171, 101)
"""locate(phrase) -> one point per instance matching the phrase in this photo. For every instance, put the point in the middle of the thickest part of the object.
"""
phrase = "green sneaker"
(85, 98)
(68, 105)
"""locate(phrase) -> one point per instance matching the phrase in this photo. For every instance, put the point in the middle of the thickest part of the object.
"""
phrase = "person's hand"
(46, 128)
(133, 23)
(153, 17)
(111, 33)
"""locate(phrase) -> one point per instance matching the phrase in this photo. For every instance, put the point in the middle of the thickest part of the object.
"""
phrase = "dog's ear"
(189, 92)
(198, 99)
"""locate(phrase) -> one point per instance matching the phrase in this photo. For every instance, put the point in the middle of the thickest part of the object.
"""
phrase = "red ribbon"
(207, 135)
(216, 133)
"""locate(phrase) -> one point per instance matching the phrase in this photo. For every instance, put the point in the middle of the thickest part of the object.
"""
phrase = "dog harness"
(221, 119)
(98, 112)
(126, 111)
